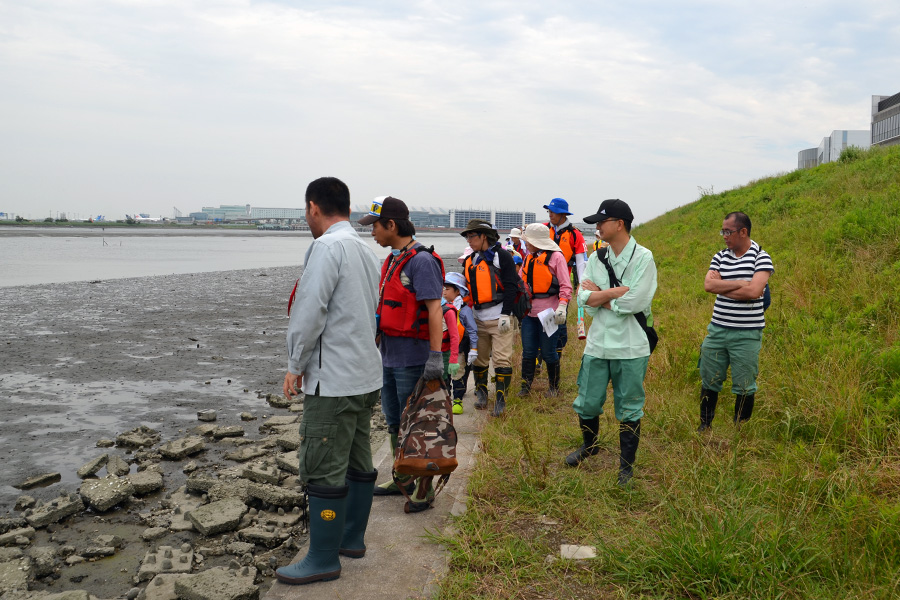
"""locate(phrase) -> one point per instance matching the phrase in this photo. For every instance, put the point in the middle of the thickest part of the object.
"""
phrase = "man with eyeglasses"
(615, 288)
(738, 275)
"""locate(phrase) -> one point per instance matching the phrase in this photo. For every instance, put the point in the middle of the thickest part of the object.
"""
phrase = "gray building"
(885, 120)
(830, 148)
(501, 220)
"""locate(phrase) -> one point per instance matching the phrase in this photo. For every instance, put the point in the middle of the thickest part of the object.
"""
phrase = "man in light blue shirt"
(333, 358)
(617, 348)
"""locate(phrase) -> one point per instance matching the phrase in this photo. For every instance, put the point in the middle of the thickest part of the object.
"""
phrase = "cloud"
(143, 104)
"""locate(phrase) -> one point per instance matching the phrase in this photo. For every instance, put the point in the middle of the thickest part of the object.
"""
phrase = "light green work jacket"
(614, 332)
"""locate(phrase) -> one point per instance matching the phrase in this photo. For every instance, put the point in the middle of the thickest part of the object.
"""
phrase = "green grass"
(801, 502)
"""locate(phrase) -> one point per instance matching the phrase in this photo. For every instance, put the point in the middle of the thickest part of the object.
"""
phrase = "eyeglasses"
(727, 232)
(609, 219)
(471, 235)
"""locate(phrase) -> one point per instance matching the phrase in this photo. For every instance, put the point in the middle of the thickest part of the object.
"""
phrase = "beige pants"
(493, 344)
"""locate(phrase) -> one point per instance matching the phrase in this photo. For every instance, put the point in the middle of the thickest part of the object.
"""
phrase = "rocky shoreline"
(150, 411)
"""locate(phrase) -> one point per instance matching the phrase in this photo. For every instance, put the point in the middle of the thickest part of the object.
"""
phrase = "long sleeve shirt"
(558, 267)
(467, 318)
(331, 332)
(614, 332)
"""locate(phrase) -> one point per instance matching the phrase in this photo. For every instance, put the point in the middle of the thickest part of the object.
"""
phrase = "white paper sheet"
(548, 321)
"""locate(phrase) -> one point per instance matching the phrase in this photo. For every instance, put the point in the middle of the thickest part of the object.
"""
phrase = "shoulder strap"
(604, 258)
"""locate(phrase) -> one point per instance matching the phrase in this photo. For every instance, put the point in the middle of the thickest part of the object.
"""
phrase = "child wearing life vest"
(546, 272)
(449, 338)
(455, 291)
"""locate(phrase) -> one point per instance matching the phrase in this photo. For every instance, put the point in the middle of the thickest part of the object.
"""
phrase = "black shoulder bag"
(640, 317)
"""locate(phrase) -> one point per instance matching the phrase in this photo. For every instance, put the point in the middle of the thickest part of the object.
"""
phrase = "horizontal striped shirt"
(740, 314)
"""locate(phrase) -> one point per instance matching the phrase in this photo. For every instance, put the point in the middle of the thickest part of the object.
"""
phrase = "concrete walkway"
(400, 562)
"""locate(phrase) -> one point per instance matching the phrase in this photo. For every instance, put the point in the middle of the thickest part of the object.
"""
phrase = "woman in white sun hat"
(546, 272)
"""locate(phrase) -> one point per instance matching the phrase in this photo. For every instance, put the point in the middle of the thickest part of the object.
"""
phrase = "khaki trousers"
(493, 344)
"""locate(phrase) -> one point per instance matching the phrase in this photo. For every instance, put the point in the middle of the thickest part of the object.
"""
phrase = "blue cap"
(558, 206)
(517, 259)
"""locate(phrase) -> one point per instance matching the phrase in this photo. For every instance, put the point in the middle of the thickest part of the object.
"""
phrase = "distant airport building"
(501, 220)
(830, 148)
(245, 212)
(886, 120)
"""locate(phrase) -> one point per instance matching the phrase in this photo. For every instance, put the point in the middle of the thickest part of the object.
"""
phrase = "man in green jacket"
(617, 349)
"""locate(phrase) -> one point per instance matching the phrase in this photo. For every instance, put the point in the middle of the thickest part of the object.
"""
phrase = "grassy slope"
(802, 502)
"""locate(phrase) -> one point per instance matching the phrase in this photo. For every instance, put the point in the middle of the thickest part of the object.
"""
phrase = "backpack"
(640, 317)
(523, 299)
(427, 439)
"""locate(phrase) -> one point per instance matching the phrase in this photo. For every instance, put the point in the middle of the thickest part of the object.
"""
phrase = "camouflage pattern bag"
(427, 439)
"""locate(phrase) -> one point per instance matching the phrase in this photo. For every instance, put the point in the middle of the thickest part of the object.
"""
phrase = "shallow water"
(30, 256)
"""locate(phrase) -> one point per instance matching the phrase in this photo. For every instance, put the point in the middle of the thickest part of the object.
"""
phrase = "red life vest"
(483, 279)
(399, 313)
(537, 273)
(445, 341)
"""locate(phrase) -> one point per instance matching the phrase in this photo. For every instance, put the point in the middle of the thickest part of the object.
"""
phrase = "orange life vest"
(445, 340)
(537, 274)
(399, 313)
(566, 239)
(483, 279)
(598, 244)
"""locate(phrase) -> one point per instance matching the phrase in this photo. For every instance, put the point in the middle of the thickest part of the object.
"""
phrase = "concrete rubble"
(218, 517)
(103, 494)
(179, 449)
(166, 559)
(117, 466)
(93, 466)
(218, 584)
(39, 481)
(138, 437)
(54, 511)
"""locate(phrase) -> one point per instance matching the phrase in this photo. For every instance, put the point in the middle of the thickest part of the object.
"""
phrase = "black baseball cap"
(611, 209)
(385, 207)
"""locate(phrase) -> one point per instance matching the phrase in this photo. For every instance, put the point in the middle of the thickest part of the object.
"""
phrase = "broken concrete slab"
(161, 587)
(103, 494)
(98, 552)
(216, 517)
(228, 431)
(289, 440)
(15, 575)
(166, 559)
(270, 494)
(15, 536)
(231, 488)
(279, 401)
(138, 437)
(205, 430)
(55, 511)
(279, 421)
(69, 595)
(145, 482)
(24, 503)
(153, 533)
(289, 462)
(10, 523)
(43, 560)
(206, 415)
(218, 584)
(245, 416)
(200, 483)
(42, 480)
(92, 467)
(264, 535)
(262, 473)
(117, 466)
(179, 449)
(246, 453)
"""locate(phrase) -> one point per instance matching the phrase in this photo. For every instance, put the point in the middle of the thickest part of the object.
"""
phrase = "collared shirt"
(331, 332)
(614, 332)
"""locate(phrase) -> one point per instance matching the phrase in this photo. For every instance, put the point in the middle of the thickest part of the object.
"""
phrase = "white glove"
(505, 324)
(473, 354)
(560, 315)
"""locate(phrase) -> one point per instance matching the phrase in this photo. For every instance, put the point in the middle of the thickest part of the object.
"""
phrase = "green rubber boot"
(327, 515)
(359, 505)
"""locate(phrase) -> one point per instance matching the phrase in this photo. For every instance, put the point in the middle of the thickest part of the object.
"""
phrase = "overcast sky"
(114, 107)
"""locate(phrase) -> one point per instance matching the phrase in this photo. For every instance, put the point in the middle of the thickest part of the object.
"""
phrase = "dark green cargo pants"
(334, 436)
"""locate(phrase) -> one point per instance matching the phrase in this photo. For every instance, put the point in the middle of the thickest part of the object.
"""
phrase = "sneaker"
(420, 501)
(457, 407)
(389, 488)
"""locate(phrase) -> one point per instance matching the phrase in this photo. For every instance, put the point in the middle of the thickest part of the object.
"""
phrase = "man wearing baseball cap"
(571, 244)
(617, 348)
(410, 323)
(492, 281)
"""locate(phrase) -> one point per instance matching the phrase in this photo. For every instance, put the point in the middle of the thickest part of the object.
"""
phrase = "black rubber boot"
(459, 385)
(743, 407)
(481, 377)
(503, 377)
(589, 429)
(389, 488)
(327, 516)
(708, 401)
(553, 378)
(629, 437)
(527, 375)
(359, 505)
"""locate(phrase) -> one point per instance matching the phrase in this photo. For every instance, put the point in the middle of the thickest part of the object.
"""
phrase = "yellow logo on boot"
(328, 515)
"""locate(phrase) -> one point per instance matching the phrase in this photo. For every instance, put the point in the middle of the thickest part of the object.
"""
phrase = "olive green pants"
(334, 436)
(736, 347)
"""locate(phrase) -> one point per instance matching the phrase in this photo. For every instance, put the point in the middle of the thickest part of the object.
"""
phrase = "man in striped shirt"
(738, 276)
